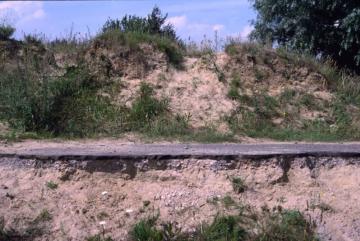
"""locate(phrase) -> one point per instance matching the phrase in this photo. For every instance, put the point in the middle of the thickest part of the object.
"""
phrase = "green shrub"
(288, 225)
(171, 49)
(6, 31)
(146, 108)
(238, 184)
(67, 105)
(224, 228)
(145, 230)
(153, 24)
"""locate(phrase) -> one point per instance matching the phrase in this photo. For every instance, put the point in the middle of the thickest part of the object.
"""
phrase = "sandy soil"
(180, 191)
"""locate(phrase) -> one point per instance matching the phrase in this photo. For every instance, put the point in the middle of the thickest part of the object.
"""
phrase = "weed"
(52, 185)
(260, 75)
(222, 228)
(238, 184)
(99, 237)
(228, 202)
(145, 108)
(44, 216)
(308, 100)
(234, 88)
(145, 230)
(48, 105)
(267, 225)
(285, 225)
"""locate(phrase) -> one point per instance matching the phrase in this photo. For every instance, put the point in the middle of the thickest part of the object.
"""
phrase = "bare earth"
(182, 191)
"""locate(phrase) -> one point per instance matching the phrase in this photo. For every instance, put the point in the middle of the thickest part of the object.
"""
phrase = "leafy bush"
(153, 24)
(133, 30)
(6, 31)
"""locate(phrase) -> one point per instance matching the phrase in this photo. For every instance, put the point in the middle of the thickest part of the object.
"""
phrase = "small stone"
(129, 211)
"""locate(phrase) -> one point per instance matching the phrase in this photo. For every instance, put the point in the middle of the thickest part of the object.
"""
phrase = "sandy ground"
(89, 200)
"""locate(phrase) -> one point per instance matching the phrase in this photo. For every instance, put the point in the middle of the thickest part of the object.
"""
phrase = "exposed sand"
(180, 191)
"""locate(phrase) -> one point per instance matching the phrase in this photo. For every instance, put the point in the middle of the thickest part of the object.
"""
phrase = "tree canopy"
(326, 28)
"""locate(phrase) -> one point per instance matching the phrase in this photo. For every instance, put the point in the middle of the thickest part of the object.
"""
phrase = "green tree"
(6, 31)
(325, 28)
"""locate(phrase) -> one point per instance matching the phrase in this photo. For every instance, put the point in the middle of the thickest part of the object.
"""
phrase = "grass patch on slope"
(279, 117)
(133, 41)
(289, 225)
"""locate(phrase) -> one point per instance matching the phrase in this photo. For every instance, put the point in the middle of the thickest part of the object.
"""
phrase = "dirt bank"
(187, 192)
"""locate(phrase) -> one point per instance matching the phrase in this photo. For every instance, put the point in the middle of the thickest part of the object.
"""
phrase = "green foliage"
(308, 100)
(44, 216)
(223, 228)
(234, 87)
(291, 24)
(6, 31)
(275, 225)
(8, 234)
(47, 105)
(238, 184)
(172, 49)
(132, 30)
(255, 119)
(33, 39)
(153, 24)
(145, 230)
(288, 225)
(52, 185)
(228, 202)
(145, 108)
(98, 237)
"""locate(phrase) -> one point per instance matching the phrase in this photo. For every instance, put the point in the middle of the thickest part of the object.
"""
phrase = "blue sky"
(192, 19)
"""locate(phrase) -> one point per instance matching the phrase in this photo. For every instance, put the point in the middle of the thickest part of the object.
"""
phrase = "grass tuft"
(238, 184)
(52, 185)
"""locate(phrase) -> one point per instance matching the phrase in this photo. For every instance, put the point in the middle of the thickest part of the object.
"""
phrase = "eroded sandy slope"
(182, 191)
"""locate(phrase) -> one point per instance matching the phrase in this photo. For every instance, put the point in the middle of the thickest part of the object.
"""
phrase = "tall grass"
(67, 105)
(267, 225)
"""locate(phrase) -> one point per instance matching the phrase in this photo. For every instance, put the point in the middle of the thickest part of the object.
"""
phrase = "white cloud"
(22, 11)
(177, 21)
(244, 34)
(218, 27)
(207, 5)
(188, 28)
